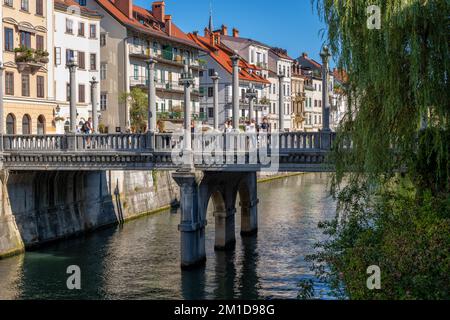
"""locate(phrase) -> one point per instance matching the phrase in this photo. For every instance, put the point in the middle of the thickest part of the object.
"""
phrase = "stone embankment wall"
(39, 207)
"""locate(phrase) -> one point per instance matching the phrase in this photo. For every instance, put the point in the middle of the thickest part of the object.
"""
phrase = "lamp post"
(325, 55)
(73, 96)
(280, 103)
(251, 96)
(235, 60)
(152, 113)
(94, 103)
(215, 78)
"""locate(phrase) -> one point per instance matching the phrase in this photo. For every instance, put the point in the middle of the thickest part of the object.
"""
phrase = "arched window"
(26, 124)
(10, 124)
(41, 125)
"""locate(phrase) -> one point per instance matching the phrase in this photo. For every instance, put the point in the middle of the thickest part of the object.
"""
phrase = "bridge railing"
(34, 142)
(163, 142)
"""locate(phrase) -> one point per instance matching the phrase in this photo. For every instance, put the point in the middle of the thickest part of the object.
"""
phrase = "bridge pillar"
(248, 192)
(192, 226)
(225, 229)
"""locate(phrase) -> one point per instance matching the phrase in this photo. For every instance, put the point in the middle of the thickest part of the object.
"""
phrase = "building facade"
(339, 104)
(129, 36)
(26, 37)
(280, 64)
(298, 98)
(219, 60)
(77, 32)
(312, 70)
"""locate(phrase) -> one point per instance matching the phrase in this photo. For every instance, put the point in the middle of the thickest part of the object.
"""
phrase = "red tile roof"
(222, 55)
(156, 29)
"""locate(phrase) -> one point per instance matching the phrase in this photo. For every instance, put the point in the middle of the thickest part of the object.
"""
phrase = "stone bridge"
(214, 166)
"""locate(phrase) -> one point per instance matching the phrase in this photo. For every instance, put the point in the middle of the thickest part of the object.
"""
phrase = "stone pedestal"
(225, 230)
(192, 226)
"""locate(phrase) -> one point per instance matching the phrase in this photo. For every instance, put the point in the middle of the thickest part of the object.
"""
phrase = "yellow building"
(27, 37)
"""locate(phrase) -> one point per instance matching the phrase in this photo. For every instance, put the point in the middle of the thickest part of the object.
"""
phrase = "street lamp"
(187, 80)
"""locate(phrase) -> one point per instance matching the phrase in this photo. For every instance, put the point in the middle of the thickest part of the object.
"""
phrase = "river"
(140, 260)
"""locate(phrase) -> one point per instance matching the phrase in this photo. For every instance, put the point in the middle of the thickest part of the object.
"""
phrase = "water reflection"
(141, 259)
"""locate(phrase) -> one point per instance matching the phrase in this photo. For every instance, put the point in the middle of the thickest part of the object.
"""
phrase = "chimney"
(207, 32)
(224, 30)
(126, 6)
(235, 33)
(159, 10)
(168, 22)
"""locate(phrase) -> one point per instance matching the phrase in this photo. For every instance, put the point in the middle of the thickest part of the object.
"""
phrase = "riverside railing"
(162, 142)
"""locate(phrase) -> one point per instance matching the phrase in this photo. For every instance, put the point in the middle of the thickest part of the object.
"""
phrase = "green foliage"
(138, 110)
(392, 185)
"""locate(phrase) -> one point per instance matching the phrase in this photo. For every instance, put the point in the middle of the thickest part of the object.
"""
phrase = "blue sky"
(290, 24)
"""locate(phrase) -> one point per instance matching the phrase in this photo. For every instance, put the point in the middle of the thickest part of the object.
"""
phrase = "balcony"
(31, 59)
(262, 65)
(309, 87)
(164, 56)
(162, 86)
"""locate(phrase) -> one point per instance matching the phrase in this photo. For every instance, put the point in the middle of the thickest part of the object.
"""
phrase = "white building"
(77, 32)
(219, 60)
(280, 63)
(313, 90)
(130, 35)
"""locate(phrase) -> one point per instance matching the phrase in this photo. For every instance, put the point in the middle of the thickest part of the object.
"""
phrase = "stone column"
(325, 137)
(225, 229)
(2, 108)
(94, 103)
(215, 78)
(73, 95)
(325, 55)
(152, 112)
(251, 96)
(192, 227)
(187, 81)
(280, 103)
(235, 59)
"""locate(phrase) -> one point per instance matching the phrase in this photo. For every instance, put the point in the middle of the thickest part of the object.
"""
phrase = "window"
(103, 71)
(69, 26)
(136, 72)
(10, 124)
(211, 72)
(9, 83)
(39, 42)
(82, 2)
(40, 81)
(41, 125)
(25, 85)
(57, 56)
(103, 101)
(210, 112)
(81, 29)
(25, 39)
(93, 60)
(210, 92)
(26, 124)
(200, 74)
(70, 54)
(24, 5)
(103, 39)
(81, 93)
(9, 39)
(81, 60)
(92, 31)
(315, 103)
(40, 7)
(8, 3)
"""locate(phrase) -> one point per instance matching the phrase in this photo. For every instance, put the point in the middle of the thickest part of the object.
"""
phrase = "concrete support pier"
(192, 225)
(221, 189)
